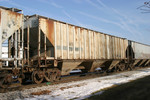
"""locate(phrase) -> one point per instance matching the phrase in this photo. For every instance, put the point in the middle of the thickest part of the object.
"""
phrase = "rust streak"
(15, 14)
(17, 17)
(50, 30)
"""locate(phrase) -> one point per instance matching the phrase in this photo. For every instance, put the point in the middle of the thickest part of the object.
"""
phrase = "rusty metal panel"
(125, 47)
(141, 51)
(105, 46)
(82, 42)
(47, 27)
(77, 43)
(87, 45)
(58, 36)
(64, 42)
(115, 56)
(117, 48)
(73, 42)
(102, 38)
(113, 47)
(99, 45)
(10, 22)
(110, 44)
(126, 41)
(96, 45)
(121, 49)
(89, 34)
(108, 47)
(92, 45)
(118, 45)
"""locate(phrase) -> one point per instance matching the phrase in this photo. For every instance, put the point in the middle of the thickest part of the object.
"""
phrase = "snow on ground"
(77, 89)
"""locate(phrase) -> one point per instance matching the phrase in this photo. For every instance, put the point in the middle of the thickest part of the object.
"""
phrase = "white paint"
(94, 45)
(4, 52)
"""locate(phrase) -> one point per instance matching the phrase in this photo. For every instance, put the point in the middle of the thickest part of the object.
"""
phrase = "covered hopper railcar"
(42, 48)
(72, 47)
(61, 46)
(11, 38)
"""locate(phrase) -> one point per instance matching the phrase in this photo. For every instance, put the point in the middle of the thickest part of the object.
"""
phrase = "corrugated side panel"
(64, 40)
(141, 51)
(58, 40)
(92, 45)
(97, 42)
(72, 42)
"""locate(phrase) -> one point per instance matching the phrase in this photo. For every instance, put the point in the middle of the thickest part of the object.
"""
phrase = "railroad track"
(64, 79)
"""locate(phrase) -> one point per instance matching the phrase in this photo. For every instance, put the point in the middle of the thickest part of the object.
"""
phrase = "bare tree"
(145, 8)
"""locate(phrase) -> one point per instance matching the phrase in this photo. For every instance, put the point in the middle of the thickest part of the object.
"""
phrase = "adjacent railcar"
(140, 53)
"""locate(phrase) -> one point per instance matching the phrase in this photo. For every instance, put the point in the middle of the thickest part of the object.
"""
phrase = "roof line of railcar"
(74, 25)
(139, 43)
(12, 9)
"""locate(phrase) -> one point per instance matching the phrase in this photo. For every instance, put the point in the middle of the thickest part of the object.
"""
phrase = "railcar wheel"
(57, 75)
(6, 80)
(121, 67)
(37, 77)
(130, 67)
(48, 76)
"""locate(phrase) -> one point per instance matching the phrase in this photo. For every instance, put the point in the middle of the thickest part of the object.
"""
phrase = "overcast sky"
(116, 17)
